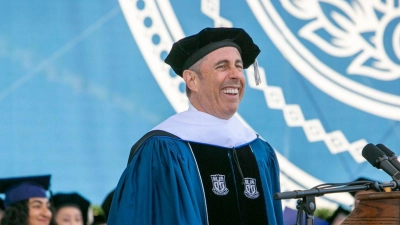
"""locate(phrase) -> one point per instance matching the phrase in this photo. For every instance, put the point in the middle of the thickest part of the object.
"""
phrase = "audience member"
(26, 201)
(106, 205)
(71, 209)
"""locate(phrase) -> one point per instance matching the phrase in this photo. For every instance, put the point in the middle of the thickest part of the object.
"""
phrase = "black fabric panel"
(253, 208)
(222, 209)
(234, 207)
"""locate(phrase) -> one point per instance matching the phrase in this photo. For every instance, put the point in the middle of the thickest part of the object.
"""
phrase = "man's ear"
(190, 78)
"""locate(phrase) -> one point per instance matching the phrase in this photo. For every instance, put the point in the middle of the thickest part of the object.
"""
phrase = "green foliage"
(323, 213)
(97, 210)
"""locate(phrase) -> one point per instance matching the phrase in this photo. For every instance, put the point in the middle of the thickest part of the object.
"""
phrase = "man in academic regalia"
(203, 166)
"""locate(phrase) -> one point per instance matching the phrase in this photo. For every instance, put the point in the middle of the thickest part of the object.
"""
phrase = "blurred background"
(82, 81)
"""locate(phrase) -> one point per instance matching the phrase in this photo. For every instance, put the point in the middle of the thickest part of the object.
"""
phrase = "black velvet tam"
(189, 50)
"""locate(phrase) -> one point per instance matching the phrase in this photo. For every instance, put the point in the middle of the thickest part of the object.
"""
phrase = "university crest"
(219, 185)
(250, 188)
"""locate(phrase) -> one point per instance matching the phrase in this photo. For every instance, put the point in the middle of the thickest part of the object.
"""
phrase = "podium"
(376, 208)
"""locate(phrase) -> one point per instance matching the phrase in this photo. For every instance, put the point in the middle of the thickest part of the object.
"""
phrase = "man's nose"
(235, 73)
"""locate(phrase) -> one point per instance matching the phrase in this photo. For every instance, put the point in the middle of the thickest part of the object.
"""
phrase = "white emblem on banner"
(250, 188)
(364, 36)
(219, 184)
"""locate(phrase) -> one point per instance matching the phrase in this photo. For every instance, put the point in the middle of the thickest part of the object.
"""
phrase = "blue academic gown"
(162, 185)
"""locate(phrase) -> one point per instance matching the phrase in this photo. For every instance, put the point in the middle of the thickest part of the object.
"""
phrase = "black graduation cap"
(189, 50)
(22, 188)
(74, 199)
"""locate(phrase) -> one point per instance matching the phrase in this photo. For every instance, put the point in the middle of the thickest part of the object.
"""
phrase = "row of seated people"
(28, 201)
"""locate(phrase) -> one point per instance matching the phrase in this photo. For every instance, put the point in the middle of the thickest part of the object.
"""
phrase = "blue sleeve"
(160, 186)
(269, 172)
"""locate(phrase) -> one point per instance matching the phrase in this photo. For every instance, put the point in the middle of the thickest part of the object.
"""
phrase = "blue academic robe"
(162, 185)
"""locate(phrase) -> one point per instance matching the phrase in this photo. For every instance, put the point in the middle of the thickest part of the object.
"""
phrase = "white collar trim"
(196, 126)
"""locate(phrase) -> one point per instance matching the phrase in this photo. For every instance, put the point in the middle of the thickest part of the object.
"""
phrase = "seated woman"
(71, 209)
(26, 201)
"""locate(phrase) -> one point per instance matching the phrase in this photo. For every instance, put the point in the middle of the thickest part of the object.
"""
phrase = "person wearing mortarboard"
(106, 204)
(70, 209)
(203, 165)
(26, 200)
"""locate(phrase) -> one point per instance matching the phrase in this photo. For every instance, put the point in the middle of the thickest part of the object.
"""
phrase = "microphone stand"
(307, 202)
(306, 205)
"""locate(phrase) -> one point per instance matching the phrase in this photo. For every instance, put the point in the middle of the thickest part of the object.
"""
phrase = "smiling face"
(219, 88)
(39, 211)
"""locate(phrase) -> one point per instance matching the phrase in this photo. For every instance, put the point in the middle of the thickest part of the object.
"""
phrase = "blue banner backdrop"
(81, 81)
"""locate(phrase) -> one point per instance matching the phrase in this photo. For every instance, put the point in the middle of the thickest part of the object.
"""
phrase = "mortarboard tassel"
(256, 72)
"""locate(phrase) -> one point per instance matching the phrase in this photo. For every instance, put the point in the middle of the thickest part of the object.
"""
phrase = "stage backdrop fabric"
(82, 81)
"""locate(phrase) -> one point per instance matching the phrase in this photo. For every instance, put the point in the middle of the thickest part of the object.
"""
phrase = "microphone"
(377, 158)
(391, 155)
